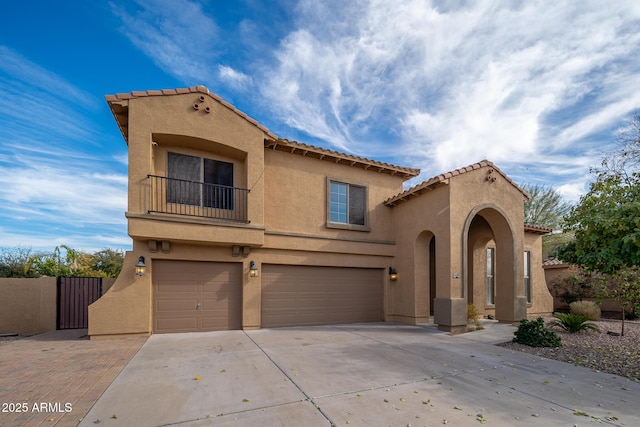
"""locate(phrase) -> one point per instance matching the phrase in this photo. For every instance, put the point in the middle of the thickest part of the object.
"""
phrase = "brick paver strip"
(55, 369)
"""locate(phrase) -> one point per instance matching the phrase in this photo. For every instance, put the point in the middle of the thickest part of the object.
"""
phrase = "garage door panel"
(176, 287)
(220, 323)
(184, 324)
(196, 296)
(168, 305)
(303, 295)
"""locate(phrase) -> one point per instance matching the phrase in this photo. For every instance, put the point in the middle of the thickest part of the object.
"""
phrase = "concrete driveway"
(375, 374)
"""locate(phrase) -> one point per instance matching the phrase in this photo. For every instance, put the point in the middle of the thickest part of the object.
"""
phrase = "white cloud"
(39, 80)
(233, 78)
(475, 80)
(49, 152)
(435, 85)
(176, 35)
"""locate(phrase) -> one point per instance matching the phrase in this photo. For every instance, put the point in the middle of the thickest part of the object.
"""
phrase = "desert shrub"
(572, 322)
(473, 316)
(534, 334)
(586, 308)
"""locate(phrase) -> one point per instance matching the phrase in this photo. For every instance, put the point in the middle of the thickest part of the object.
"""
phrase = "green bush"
(534, 334)
(586, 308)
(572, 322)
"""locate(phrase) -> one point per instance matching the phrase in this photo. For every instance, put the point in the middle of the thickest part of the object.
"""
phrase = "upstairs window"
(199, 182)
(347, 205)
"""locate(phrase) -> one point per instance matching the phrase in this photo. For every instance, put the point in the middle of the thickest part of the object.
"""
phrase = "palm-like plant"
(573, 322)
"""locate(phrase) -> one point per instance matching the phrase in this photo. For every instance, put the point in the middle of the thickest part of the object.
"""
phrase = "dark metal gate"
(75, 294)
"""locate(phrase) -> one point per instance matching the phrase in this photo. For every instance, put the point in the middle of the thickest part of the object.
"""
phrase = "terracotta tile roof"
(537, 229)
(119, 110)
(341, 158)
(443, 179)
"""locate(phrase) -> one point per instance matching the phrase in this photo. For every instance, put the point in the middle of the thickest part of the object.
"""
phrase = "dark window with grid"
(199, 182)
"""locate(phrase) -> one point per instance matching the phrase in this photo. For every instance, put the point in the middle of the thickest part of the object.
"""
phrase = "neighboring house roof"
(443, 179)
(553, 263)
(537, 229)
(119, 109)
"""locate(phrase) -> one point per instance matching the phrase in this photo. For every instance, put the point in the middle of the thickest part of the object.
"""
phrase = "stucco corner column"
(519, 309)
(251, 295)
(450, 314)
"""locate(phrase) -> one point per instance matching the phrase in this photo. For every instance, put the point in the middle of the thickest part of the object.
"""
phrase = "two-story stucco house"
(240, 229)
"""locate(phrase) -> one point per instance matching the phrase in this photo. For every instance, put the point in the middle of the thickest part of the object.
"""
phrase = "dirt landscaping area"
(601, 352)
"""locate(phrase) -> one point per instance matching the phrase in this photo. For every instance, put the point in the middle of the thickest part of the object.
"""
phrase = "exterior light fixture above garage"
(140, 267)
(253, 270)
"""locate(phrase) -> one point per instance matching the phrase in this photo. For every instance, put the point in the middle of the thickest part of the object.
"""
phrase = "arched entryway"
(425, 272)
(490, 264)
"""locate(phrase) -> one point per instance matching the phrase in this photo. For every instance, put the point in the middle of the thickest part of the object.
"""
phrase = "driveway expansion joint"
(307, 397)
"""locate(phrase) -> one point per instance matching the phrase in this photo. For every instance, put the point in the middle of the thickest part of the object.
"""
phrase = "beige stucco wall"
(501, 205)
(126, 307)
(287, 209)
(173, 124)
(28, 305)
(541, 298)
(415, 222)
(296, 196)
(288, 221)
(447, 213)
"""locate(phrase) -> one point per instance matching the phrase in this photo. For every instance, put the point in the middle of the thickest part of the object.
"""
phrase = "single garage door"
(196, 296)
(300, 295)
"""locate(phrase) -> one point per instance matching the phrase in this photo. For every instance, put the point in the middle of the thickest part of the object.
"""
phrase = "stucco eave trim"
(331, 238)
(210, 222)
(304, 150)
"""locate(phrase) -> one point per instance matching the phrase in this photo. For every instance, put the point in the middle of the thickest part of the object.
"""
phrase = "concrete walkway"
(376, 374)
(53, 379)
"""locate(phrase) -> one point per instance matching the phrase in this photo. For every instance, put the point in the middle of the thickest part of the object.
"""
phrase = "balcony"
(197, 199)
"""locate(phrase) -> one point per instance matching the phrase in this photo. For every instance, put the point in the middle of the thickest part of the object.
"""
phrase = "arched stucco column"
(510, 302)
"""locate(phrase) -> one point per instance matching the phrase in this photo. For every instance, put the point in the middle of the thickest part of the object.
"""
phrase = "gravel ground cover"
(603, 352)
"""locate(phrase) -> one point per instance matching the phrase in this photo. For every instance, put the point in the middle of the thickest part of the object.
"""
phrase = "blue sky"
(537, 87)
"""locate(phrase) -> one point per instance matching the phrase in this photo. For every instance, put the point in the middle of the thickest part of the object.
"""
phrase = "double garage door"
(207, 296)
(301, 295)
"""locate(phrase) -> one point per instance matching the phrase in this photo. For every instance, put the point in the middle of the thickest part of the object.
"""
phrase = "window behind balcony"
(199, 181)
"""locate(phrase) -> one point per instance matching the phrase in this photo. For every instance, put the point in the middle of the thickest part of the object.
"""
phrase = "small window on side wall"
(490, 281)
(527, 275)
(346, 205)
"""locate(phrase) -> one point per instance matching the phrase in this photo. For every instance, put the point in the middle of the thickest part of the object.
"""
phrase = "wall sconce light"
(253, 270)
(393, 274)
(140, 266)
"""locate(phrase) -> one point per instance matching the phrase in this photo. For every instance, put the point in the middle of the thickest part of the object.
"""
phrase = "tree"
(624, 288)
(606, 226)
(624, 160)
(107, 261)
(63, 261)
(545, 207)
(15, 262)
(55, 264)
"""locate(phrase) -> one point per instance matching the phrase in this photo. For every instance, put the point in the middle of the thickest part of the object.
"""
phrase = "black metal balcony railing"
(190, 198)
